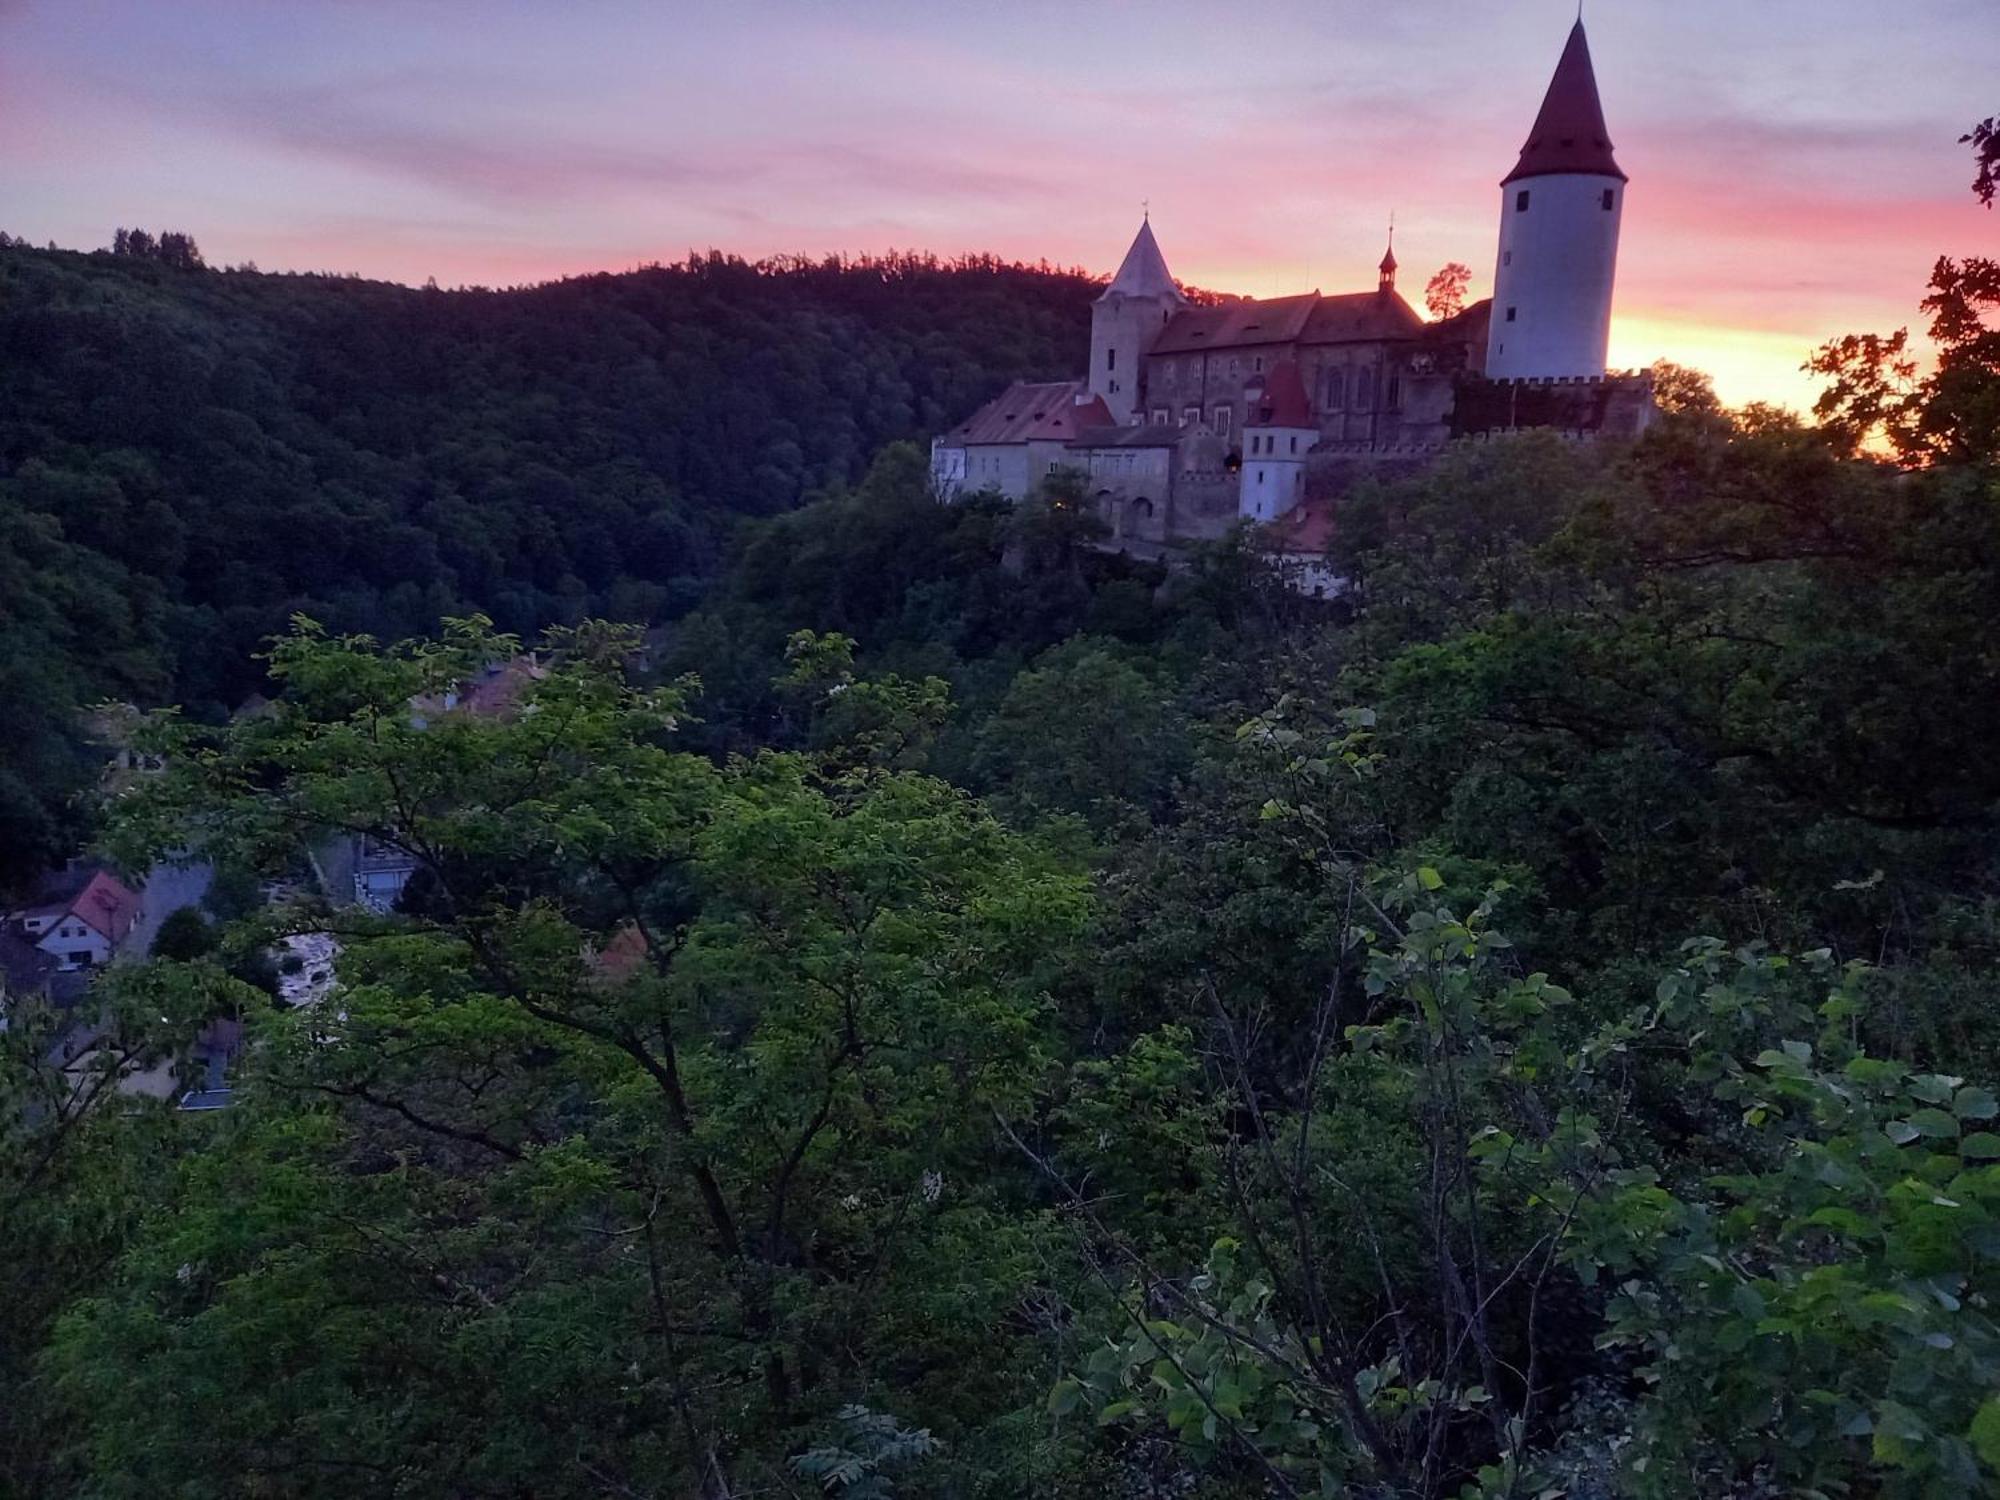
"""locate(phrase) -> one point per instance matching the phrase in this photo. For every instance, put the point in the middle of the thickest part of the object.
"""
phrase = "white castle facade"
(1192, 418)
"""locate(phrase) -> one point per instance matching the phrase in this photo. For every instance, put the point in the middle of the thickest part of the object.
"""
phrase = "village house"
(83, 920)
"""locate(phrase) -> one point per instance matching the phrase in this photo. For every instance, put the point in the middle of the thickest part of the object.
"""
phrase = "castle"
(1193, 418)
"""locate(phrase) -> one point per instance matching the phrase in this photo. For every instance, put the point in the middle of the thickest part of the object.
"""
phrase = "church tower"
(1125, 320)
(1559, 213)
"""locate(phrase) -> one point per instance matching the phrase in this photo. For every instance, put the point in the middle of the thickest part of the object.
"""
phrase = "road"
(168, 889)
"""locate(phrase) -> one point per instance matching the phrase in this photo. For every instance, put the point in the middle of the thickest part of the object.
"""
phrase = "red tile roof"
(1303, 531)
(1028, 412)
(1283, 403)
(1236, 325)
(1362, 317)
(1569, 133)
(106, 904)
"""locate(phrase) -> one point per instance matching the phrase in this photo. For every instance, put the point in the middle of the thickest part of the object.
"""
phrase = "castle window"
(1191, 416)
(1161, 416)
(1521, 201)
(1257, 365)
(1506, 257)
(1336, 390)
(1111, 358)
(1222, 416)
(1610, 199)
(1510, 315)
(1260, 476)
(1395, 397)
(1364, 389)
(1295, 442)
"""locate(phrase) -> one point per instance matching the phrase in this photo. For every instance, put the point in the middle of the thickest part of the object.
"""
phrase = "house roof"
(1143, 435)
(106, 904)
(1143, 272)
(1026, 412)
(1283, 403)
(1303, 531)
(1569, 133)
(1310, 318)
(1362, 317)
(1236, 325)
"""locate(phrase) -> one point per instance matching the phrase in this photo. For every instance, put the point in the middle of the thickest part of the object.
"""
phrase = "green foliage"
(869, 1444)
(188, 457)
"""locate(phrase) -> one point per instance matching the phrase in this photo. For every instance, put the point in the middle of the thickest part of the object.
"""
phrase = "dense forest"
(962, 1013)
(188, 457)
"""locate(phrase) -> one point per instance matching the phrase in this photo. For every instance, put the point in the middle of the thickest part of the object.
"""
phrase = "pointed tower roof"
(1283, 403)
(1144, 273)
(1569, 133)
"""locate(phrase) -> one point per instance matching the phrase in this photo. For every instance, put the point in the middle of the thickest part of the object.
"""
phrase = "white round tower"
(1559, 214)
(1125, 320)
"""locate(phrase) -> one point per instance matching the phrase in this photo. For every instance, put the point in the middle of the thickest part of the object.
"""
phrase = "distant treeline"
(188, 457)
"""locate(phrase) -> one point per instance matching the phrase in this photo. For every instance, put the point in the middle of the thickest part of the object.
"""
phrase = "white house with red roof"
(85, 928)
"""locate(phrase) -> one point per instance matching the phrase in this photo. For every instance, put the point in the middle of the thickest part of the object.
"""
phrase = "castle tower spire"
(1388, 266)
(1125, 320)
(1569, 133)
(1560, 210)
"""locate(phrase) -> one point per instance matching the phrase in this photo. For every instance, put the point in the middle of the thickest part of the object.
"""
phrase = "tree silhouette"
(1445, 294)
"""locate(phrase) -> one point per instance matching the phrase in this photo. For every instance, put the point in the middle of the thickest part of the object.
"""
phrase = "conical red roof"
(1569, 133)
(1283, 403)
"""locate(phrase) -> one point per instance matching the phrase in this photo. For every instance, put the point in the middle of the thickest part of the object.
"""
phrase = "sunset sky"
(1795, 167)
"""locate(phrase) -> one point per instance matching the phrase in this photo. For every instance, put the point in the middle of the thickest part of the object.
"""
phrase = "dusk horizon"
(1790, 184)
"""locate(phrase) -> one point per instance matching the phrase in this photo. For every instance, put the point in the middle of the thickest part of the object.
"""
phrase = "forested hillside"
(188, 456)
(970, 1016)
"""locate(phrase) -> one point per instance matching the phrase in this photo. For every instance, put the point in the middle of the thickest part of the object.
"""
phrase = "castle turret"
(1559, 214)
(1125, 320)
(1387, 270)
(1278, 434)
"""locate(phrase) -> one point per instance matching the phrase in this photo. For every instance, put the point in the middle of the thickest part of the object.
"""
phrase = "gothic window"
(1521, 201)
(1393, 400)
(1364, 389)
(1336, 390)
